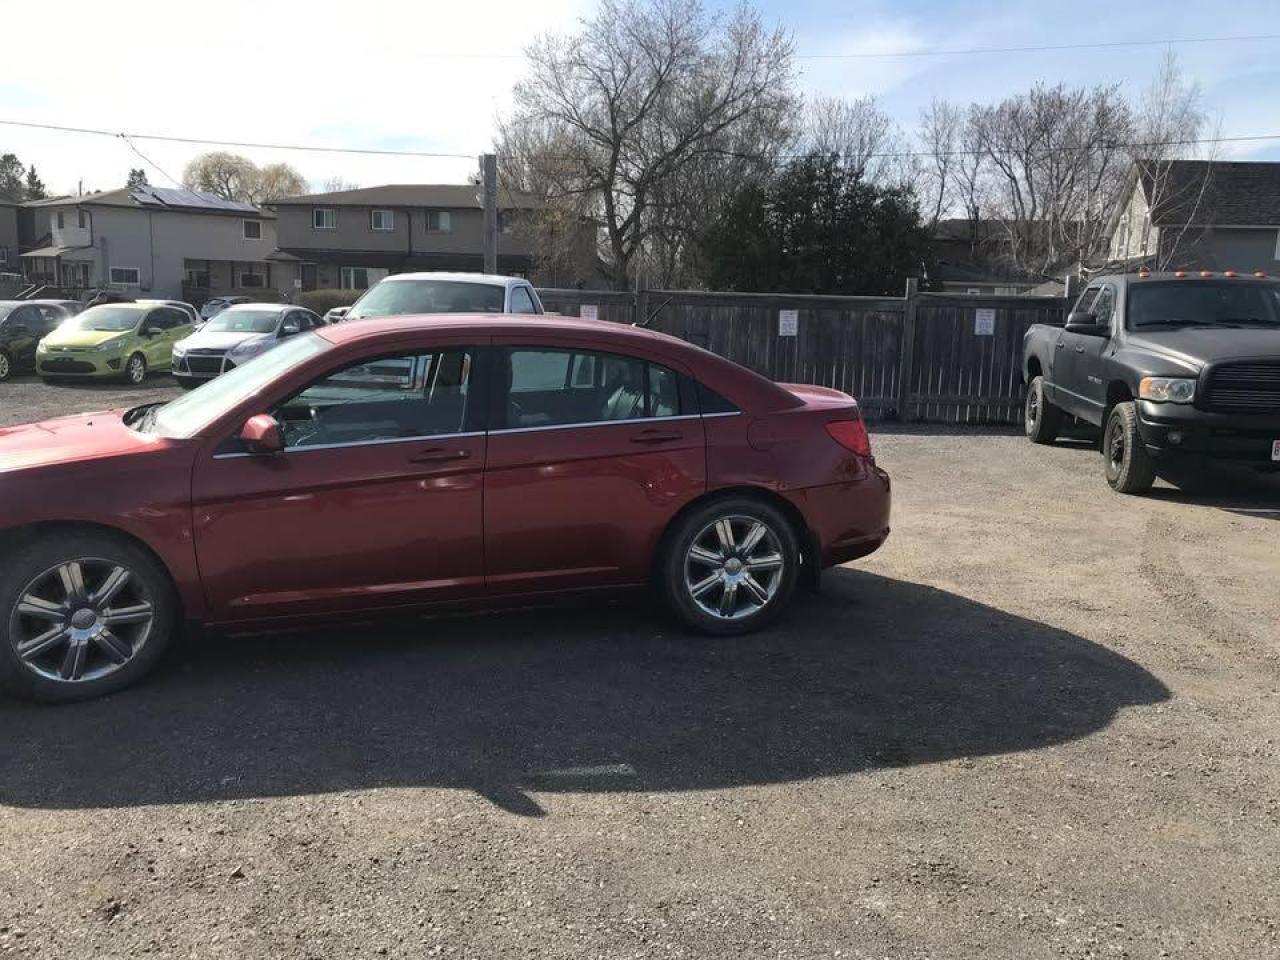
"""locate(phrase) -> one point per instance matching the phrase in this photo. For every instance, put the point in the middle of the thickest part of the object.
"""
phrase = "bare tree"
(337, 184)
(1055, 169)
(227, 175)
(857, 131)
(1169, 119)
(233, 177)
(610, 122)
(941, 130)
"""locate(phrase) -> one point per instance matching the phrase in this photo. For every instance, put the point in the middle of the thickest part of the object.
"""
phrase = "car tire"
(1129, 468)
(135, 369)
(111, 635)
(1041, 419)
(6, 366)
(726, 581)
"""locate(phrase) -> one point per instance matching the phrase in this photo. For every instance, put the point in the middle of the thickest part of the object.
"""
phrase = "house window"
(253, 229)
(198, 278)
(82, 219)
(250, 279)
(382, 221)
(324, 218)
(439, 221)
(60, 219)
(506, 221)
(126, 276)
(361, 278)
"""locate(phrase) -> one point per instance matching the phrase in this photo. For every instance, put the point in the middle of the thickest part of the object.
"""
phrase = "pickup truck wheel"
(1042, 419)
(1130, 468)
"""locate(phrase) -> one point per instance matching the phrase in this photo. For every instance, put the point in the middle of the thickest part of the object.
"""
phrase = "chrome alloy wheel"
(734, 567)
(136, 369)
(81, 620)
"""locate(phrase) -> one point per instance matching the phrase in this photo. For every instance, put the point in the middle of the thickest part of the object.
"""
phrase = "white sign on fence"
(589, 311)
(788, 323)
(984, 322)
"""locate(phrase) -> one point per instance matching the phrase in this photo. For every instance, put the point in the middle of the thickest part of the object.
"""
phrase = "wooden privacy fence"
(935, 357)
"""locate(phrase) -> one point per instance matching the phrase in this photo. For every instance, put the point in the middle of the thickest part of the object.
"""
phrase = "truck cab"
(1176, 369)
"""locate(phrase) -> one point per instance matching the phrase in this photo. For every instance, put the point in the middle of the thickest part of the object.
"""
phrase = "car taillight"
(851, 434)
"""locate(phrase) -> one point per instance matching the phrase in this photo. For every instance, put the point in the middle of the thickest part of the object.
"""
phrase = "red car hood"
(85, 436)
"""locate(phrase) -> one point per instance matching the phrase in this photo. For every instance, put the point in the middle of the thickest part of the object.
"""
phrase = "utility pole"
(489, 177)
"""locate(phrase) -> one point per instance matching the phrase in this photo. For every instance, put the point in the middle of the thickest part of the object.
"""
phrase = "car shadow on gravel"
(872, 673)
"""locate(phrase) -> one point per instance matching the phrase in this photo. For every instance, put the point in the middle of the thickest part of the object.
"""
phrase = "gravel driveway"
(1041, 722)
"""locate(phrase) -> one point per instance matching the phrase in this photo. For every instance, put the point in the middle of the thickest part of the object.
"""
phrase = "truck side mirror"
(1086, 324)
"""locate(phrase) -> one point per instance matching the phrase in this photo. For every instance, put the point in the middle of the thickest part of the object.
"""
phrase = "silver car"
(235, 335)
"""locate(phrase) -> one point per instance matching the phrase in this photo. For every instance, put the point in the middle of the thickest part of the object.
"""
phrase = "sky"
(433, 75)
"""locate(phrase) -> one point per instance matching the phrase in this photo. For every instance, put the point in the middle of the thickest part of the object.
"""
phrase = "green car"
(118, 340)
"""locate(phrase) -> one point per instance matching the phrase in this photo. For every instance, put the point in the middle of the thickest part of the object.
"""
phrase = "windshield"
(392, 298)
(5, 310)
(106, 317)
(1203, 302)
(191, 413)
(244, 321)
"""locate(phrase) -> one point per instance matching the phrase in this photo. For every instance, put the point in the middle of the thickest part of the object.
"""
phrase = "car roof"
(492, 279)
(129, 304)
(1186, 276)
(491, 324)
(278, 307)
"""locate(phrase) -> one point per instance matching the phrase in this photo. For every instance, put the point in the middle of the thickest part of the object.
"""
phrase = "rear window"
(396, 297)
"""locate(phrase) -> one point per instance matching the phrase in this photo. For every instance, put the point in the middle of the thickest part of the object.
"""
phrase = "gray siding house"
(9, 237)
(1199, 215)
(352, 238)
(154, 242)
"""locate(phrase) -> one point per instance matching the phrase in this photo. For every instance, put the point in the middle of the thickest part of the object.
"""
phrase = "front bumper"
(1172, 430)
(848, 520)
(79, 364)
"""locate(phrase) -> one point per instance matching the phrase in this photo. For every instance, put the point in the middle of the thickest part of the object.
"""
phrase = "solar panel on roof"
(172, 197)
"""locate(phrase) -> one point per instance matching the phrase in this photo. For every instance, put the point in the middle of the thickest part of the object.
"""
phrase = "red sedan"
(411, 462)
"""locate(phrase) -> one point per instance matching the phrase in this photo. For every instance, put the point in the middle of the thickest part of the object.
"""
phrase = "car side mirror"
(337, 313)
(1086, 324)
(152, 332)
(289, 329)
(262, 434)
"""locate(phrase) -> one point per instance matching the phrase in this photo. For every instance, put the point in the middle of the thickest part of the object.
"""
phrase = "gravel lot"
(1041, 722)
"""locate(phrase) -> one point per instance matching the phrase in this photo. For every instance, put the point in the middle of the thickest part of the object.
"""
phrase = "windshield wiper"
(1256, 321)
(1175, 323)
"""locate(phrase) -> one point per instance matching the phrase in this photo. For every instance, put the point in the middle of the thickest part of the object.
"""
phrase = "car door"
(1089, 353)
(376, 499)
(1066, 387)
(590, 455)
(24, 328)
(155, 339)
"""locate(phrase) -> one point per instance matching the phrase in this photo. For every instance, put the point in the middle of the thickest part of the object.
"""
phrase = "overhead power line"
(248, 145)
(891, 154)
(1039, 48)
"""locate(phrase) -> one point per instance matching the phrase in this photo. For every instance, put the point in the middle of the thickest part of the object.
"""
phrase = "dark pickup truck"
(1177, 370)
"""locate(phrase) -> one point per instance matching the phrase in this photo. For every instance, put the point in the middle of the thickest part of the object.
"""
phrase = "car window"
(50, 317)
(1085, 303)
(398, 297)
(166, 318)
(1104, 305)
(521, 302)
(390, 398)
(549, 387)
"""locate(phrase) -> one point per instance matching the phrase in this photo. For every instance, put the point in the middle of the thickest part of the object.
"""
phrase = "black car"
(23, 323)
(1177, 370)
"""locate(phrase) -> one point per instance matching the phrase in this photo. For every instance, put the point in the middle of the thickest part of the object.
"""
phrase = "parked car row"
(127, 340)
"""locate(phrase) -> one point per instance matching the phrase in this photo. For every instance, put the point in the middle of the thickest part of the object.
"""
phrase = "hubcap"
(4, 366)
(1033, 407)
(734, 567)
(81, 620)
(1116, 448)
(135, 370)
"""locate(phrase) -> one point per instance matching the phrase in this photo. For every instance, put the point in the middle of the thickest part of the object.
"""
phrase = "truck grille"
(1252, 387)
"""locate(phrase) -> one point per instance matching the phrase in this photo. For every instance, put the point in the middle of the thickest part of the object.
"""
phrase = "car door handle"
(657, 436)
(1060, 344)
(438, 455)
(1079, 349)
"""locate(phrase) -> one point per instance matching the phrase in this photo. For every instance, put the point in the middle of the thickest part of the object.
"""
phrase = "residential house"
(9, 237)
(962, 259)
(351, 239)
(156, 242)
(1199, 215)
